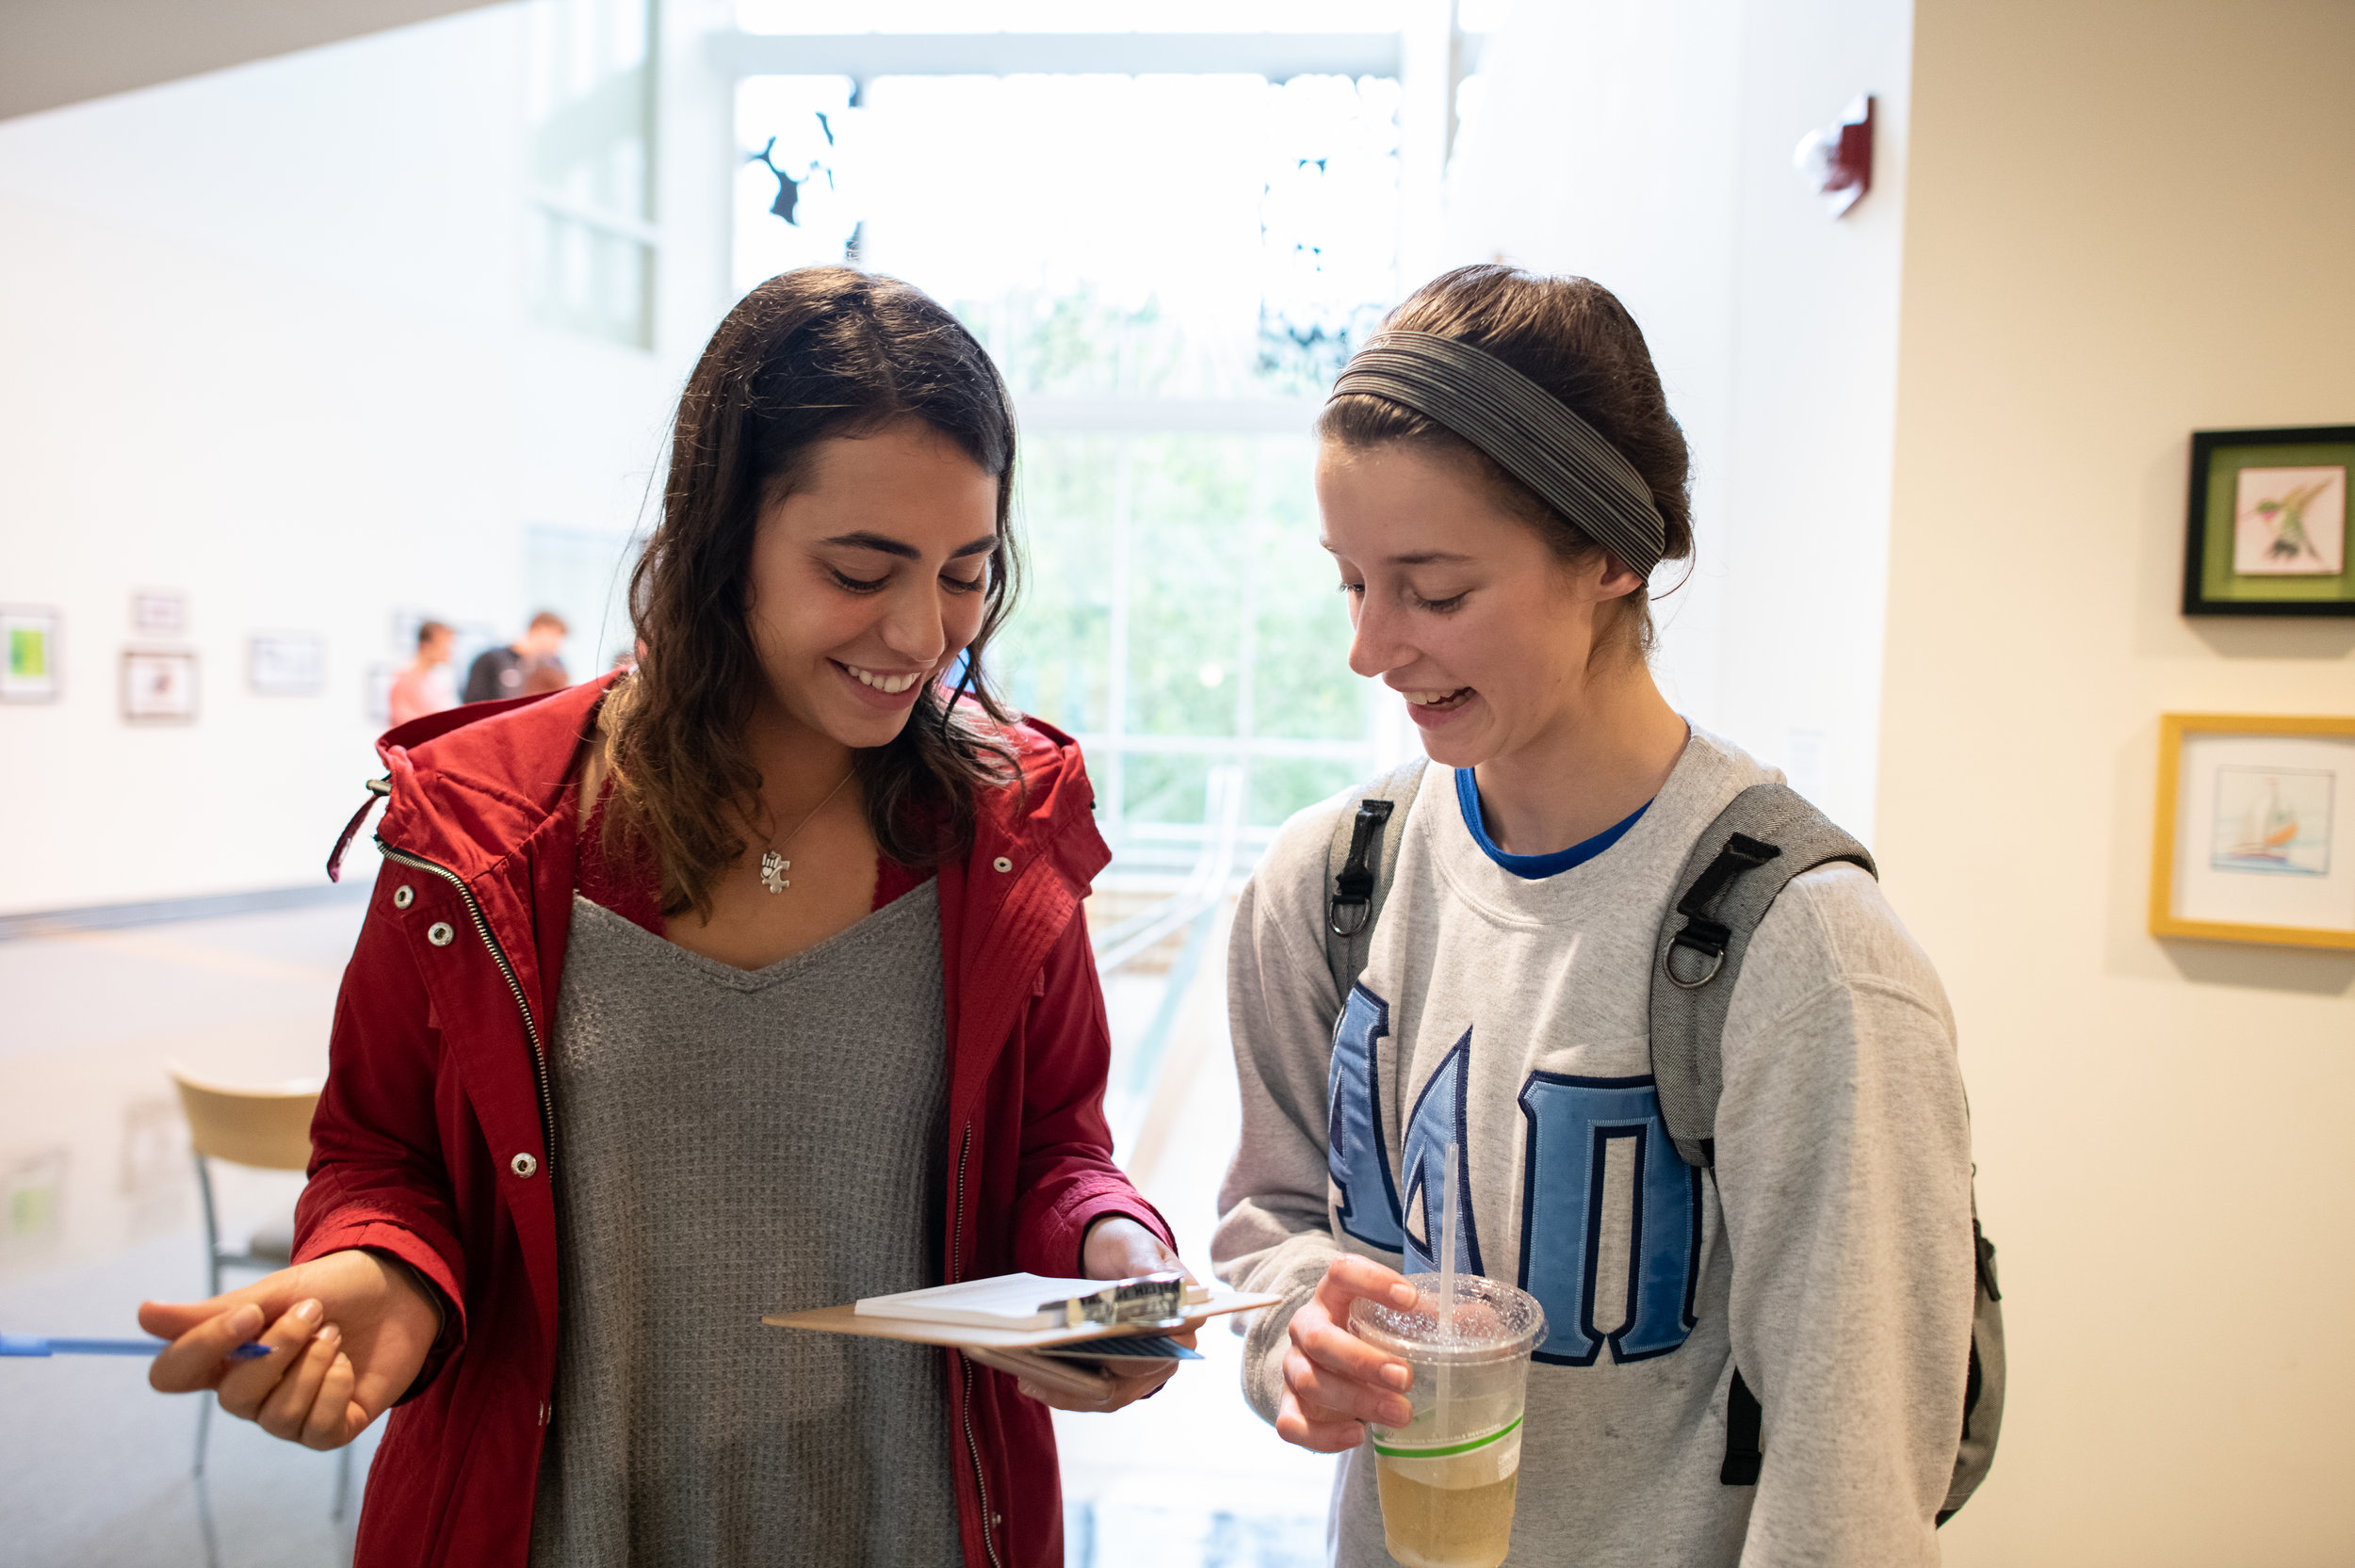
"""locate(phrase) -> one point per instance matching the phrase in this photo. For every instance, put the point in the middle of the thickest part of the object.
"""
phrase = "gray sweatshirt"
(1828, 1256)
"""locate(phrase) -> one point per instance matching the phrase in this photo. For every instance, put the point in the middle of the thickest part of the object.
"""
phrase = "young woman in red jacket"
(755, 980)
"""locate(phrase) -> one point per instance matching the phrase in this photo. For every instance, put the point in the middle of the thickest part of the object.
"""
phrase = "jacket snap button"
(523, 1165)
(404, 897)
(1001, 864)
(439, 933)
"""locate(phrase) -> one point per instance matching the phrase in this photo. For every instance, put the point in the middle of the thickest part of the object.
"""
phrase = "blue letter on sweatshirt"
(1438, 1123)
(1572, 1123)
(1354, 1155)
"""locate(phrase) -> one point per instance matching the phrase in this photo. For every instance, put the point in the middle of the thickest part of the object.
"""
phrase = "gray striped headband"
(1531, 433)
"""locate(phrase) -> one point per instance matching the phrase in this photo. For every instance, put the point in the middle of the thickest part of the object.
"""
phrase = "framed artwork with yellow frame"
(2254, 839)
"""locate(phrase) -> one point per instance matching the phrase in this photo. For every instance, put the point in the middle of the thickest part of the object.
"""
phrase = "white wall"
(1605, 144)
(2128, 220)
(1648, 147)
(268, 341)
(1814, 366)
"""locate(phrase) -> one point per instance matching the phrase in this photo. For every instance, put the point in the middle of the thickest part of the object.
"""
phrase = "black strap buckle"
(1351, 903)
(1703, 932)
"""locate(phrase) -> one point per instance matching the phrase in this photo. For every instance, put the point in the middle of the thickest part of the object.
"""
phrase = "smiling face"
(868, 578)
(1460, 606)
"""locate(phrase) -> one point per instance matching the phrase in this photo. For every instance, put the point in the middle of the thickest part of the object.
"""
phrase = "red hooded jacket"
(433, 1138)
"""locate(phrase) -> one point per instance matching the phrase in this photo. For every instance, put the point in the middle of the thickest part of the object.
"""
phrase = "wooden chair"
(268, 1129)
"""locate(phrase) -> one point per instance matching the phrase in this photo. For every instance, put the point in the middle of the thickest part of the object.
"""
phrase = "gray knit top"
(729, 1143)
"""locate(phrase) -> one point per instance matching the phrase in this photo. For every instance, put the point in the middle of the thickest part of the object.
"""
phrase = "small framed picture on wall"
(2256, 829)
(2268, 523)
(160, 612)
(376, 694)
(29, 654)
(158, 686)
(286, 664)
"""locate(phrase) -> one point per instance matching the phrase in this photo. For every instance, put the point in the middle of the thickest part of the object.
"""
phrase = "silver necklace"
(773, 865)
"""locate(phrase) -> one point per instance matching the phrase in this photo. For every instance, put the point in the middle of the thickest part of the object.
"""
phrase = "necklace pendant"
(773, 867)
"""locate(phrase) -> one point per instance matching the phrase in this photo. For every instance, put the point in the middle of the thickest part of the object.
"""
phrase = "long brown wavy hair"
(811, 354)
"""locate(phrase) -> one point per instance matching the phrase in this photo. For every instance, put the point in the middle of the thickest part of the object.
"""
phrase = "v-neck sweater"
(743, 1142)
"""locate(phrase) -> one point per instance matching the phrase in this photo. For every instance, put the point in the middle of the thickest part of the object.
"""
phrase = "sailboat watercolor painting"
(2248, 805)
(2290, 522)
(2273, 821)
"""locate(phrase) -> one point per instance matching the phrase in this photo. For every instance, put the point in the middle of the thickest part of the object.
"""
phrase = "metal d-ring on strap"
(1352, 886)
(1703, 933)
(1716, 961)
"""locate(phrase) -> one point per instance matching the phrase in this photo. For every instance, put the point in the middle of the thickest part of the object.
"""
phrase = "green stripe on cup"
(1389, 1452)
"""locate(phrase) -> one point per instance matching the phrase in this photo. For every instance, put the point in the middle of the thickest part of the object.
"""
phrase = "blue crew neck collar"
(1532, 867)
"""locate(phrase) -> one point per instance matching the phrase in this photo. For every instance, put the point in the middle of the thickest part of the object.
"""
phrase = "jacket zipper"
(515, 988)
(956, 1269)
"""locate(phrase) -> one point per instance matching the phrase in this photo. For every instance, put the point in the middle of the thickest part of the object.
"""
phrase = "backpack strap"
(1766, 837)
(1983, 1388)
(1357, 874)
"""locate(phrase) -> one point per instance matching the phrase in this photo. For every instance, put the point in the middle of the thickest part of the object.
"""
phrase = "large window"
(1168, 269)
(965, 16)
(1169, 244)
(591, 104)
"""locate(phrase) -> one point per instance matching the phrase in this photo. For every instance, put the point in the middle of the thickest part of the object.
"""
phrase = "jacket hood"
(469, 786)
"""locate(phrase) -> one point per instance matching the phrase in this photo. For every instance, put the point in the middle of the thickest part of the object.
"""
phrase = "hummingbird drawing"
(2286, 515)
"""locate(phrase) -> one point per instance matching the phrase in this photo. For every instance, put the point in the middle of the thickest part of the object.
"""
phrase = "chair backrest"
(269, 1128)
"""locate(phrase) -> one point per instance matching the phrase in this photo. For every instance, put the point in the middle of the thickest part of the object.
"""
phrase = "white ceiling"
(56, 51)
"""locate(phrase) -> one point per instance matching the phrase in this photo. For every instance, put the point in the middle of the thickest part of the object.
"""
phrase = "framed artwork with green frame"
(2268, 530)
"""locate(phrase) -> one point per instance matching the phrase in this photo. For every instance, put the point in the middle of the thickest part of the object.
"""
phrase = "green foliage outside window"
(1234, 626)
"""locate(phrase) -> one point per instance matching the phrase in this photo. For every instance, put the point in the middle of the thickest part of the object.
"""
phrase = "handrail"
(1120, 945)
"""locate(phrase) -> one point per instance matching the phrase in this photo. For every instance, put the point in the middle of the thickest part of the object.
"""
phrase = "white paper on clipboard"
(1215, 1302)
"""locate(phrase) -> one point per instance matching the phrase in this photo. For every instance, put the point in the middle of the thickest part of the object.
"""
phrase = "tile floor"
(98, 1209)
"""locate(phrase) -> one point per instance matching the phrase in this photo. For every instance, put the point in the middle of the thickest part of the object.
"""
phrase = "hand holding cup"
(1334, 1381)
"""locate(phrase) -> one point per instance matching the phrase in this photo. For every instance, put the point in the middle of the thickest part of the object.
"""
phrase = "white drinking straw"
(1447, 1278)
(1446, 1243)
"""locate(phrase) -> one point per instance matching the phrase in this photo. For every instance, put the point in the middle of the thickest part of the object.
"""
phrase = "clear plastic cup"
(1446, 1476)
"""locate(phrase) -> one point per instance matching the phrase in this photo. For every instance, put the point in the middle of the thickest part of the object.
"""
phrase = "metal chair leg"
(205, 1525)
(206, 1401)
(212, 1279)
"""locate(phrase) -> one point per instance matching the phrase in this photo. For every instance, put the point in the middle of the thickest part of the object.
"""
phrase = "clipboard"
(847, 1319)
(1020, 1352)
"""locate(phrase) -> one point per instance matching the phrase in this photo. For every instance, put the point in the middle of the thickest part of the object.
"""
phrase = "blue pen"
(35, 1345)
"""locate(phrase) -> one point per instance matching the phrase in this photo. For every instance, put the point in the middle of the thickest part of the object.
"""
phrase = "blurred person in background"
(546, 677)
(506, 671)
(754, 980)
(423, 686)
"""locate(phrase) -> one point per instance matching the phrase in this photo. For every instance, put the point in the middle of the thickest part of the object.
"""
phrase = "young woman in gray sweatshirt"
(1498, 584)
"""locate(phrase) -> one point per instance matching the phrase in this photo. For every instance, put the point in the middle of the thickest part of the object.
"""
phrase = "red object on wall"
(1837, 160)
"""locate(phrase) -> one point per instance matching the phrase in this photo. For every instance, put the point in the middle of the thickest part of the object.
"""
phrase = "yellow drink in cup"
(1446, 1476)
